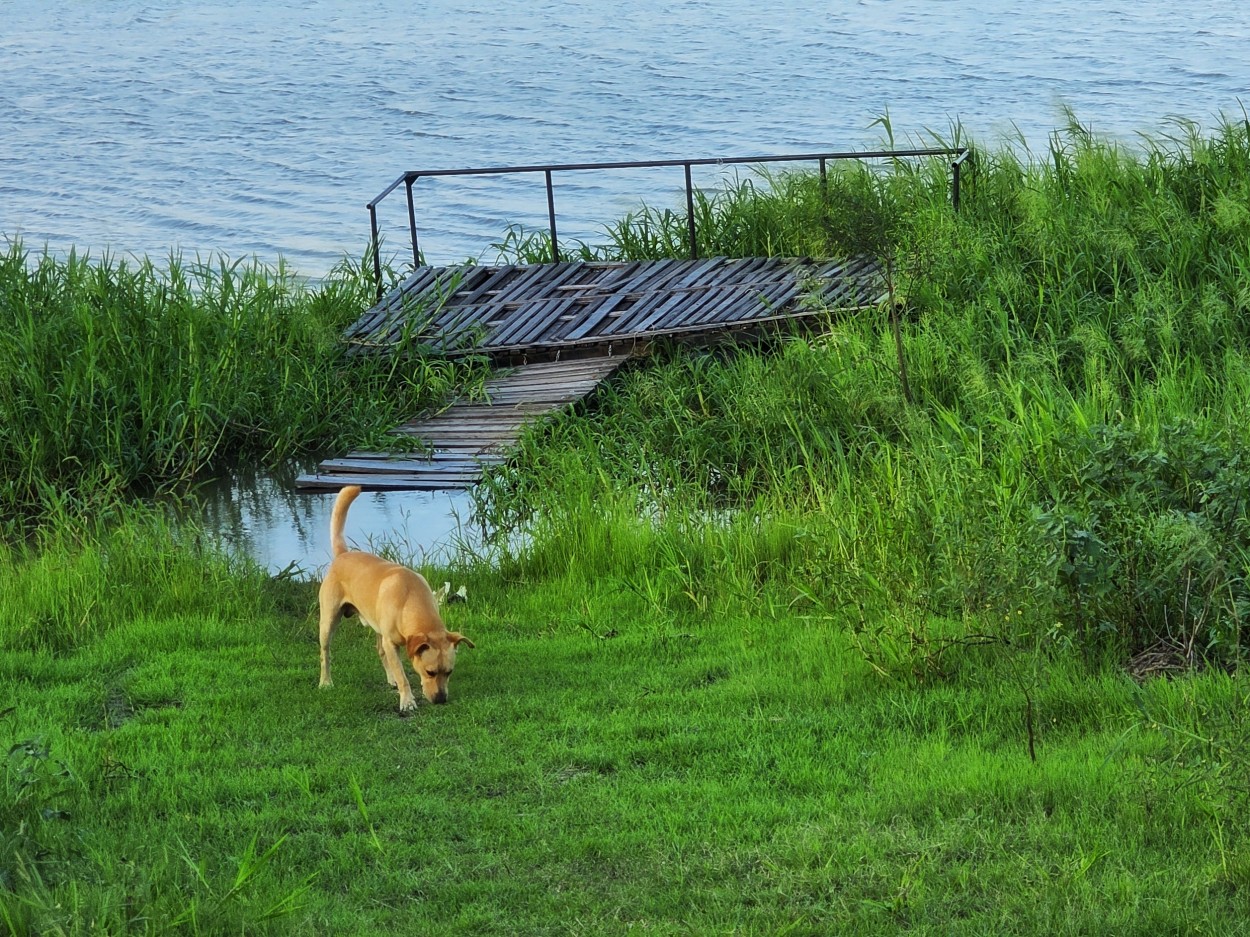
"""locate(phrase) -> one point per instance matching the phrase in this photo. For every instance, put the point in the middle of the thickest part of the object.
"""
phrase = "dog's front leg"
(395, 668)
(386, 664)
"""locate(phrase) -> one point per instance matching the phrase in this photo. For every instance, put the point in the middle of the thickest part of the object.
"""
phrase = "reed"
(123, 376)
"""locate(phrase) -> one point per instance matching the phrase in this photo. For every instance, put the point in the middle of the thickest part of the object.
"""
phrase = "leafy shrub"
(1152, 543)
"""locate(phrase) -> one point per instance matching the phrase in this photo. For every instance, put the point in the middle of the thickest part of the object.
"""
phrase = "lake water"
(263, 127)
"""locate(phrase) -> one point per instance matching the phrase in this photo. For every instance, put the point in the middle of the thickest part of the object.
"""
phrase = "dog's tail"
(341, 504)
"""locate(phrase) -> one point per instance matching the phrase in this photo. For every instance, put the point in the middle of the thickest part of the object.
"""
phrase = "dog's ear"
(456, 638)
(417, 645)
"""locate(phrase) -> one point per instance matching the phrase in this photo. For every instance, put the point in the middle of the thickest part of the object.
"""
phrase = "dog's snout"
(440, 696)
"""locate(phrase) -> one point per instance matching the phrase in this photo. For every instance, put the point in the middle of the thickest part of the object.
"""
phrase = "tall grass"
(1073, 466)
(124, 376)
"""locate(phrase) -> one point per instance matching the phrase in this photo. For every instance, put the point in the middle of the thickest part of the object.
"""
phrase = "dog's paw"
(407, 704)
(325, 682)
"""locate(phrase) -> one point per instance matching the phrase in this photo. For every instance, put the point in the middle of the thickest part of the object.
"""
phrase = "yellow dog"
(396, 603)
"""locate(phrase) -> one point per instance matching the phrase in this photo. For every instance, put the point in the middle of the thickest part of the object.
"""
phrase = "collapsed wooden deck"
(554, 310)
(569, 326)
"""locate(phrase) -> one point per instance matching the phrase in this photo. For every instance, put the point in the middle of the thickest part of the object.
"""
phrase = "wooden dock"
(578, 307)
(569, 326)
(466, 438)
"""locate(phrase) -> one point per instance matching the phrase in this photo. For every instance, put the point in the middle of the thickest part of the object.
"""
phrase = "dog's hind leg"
(331, 615)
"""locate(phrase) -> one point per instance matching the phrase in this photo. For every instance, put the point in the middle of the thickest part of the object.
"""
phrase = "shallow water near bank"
(263, 516)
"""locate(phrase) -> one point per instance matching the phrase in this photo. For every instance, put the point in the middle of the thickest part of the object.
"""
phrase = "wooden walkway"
(467, 437)
(570, 325)
(552, 310)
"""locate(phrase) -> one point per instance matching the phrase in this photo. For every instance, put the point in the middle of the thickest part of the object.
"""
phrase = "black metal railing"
(959, 156)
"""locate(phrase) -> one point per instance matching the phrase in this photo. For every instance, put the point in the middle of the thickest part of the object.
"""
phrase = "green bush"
(1151, 543)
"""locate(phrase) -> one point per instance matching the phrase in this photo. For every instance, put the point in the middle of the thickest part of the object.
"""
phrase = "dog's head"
(433, 659)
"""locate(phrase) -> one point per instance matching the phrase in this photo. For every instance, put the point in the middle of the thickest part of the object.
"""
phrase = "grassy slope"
(601, 766)
(760, 711)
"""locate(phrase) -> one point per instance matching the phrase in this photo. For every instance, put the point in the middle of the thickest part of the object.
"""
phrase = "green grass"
(769, 642)
(600, 767)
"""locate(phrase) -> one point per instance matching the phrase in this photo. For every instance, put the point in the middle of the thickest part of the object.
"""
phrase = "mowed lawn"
(606, 767)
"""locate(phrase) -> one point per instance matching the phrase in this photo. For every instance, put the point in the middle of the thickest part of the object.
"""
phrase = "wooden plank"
(698, 280)
(533, 317)
(861, 283)
(747, 305)
(383, 482)
(466, 309)
(463, 430)
(462, 434)
(741, 305)
(490, 311)
(457, 313)
(545, 369)
(473, 448)
(520, 319)
(723, 304)
(458, 413)
(372, 319)
(469, 429)
(626, 291)
(571, 374)
(500, 311)
(523, 408)
(400, 466)
(611, 300)
(693, 292)
(607, 276)
(468, 424)
(539, 400)
(434, 301)
(780, 296)
(465, 433)
(550, 278)
(436, 457)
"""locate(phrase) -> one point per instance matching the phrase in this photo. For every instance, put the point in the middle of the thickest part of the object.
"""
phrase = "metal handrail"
(960, 154)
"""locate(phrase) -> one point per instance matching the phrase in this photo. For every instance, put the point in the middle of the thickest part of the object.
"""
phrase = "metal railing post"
(412, 221)
(694, 242)
(377, 248)
(824, 194)
(956, 168)
(551, 219)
